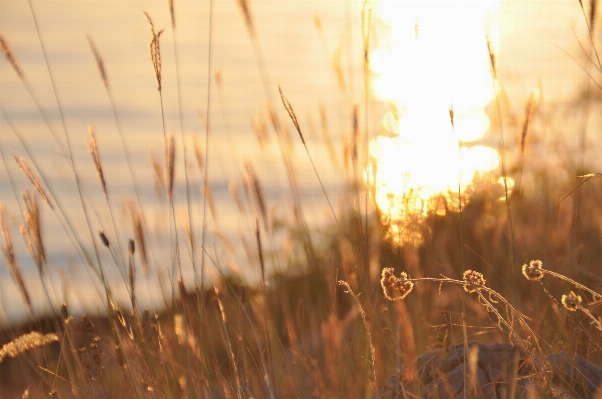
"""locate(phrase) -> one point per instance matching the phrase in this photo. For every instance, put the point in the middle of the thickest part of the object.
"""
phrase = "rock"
(495, 371)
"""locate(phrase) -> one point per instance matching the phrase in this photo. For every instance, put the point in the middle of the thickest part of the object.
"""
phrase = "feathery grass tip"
(291, 113)
(10, 57)
(26, 342)
(93, 148)
(155, 50)
(29, 174)
(31, 232)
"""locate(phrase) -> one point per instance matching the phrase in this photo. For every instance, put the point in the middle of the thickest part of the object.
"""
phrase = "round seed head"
(473, 281)
(533, 270)
(571, 301)
(395, 288)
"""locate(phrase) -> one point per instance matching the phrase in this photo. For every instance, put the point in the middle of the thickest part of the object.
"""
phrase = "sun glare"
(432, 59)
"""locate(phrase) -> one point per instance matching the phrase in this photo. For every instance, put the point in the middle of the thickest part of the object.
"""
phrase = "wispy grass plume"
(155, 50)
(10, 56)
(26, 342)
(93, 148)
(32, 178)
(31, 232)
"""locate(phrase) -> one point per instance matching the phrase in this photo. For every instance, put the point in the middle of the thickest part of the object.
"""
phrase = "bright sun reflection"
(433, 58)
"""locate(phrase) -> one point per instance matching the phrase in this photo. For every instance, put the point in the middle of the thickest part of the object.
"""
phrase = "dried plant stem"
(69, 149)
(14, 63)
(124, 147)
(62, 217)
(260, 252)
(367, 327)
(239, 391)
(283, 145)
(155, 53)
(591, 317)
(191, 235)
(293, 117)
(502, 152)
(93, 148)
(573, 282)
(366, 37)
(591, 23)
(587, 178)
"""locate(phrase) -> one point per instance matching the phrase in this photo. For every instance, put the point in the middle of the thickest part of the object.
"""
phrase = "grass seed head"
(473, 281)
(533, 271)
(492, 57)
(26, 342)
(10, 57)
(29, 174)
(104, 239)
(571, 302)
(246, 11)
(96, 352)
(93, 148)
(99, 62)
(64, 311)
(291, 114)
(395, 288)
(11, 262)
(31, 232)
(172, 13)
(155, 50)
(120, 356)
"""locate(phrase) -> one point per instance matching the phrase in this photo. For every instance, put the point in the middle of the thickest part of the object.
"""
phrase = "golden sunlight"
(433, 59)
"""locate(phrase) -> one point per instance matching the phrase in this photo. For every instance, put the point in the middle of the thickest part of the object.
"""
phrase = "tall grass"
(327, 316)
